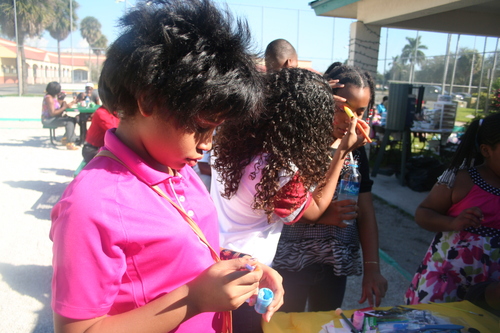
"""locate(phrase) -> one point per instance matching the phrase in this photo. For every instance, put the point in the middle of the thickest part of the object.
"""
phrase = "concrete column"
(363, 47)
(29, 68)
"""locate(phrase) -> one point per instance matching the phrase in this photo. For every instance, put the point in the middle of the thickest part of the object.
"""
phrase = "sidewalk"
(33, 175)
(389, 188)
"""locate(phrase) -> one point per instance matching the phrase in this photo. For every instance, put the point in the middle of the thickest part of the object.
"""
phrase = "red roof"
(32, 53)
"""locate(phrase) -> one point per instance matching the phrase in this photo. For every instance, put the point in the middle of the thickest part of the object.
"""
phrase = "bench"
(52, 129)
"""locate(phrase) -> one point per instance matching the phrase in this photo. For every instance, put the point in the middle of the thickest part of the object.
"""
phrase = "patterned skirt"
(454, 262)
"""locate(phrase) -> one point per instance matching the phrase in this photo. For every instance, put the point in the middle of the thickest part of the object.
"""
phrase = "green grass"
(465, 115)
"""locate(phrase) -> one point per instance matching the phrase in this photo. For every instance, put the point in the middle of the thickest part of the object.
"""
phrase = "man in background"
(280, 54)
(92, 94)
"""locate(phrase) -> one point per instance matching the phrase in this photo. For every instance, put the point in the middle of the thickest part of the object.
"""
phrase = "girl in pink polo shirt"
(136, 243)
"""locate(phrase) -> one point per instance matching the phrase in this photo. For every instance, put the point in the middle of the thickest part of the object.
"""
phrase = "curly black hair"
(351, 75)
(182, 59)
(294, 130)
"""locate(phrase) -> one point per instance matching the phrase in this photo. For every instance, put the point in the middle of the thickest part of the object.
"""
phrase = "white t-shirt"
(242, 228)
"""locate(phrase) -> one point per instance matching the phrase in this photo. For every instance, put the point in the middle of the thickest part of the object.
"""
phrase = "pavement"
(34, 173)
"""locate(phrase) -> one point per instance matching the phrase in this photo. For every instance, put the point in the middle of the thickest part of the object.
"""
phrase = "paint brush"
(339, 312)
(350, 114)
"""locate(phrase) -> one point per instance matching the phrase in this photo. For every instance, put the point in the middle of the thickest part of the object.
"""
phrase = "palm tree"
(33, 16)
(60, 28)
(468, 66)
(90, 28)
(412, 53)
(396, 68)
(98, 47)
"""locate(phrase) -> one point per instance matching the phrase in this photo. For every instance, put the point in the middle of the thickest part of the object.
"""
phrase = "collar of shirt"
(136, 164)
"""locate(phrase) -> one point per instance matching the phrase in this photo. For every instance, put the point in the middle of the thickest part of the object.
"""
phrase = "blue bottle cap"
(264, 299)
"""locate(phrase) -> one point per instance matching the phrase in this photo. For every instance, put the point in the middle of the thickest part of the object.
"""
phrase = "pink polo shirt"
(118, 245)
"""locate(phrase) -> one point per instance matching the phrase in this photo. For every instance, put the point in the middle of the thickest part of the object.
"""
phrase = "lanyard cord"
(227, 323)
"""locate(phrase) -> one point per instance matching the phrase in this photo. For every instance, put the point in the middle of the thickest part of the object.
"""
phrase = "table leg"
(82, 122)
(381, 151)
(405, 154)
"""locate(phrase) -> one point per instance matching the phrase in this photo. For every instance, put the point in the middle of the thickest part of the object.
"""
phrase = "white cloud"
(40, 43)
(79, 46)
(82, 44)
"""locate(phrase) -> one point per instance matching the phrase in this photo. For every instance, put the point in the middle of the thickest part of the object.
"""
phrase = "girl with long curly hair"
(277, 169)
(315, 261)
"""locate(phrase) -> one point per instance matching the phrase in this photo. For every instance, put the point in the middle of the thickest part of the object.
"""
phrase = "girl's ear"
(485, 150)
(143, 107)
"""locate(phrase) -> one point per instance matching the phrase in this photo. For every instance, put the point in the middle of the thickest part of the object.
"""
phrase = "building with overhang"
(469, 17)
(43, 66)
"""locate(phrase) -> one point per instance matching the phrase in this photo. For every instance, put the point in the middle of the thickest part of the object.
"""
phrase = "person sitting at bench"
(53, 114)
(102, 120)
(80, 99)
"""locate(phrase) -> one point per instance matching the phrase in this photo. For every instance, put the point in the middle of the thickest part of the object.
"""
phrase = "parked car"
(431, 93)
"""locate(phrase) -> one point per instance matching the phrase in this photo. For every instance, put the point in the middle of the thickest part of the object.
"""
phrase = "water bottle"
(349, 185)
(87, 101)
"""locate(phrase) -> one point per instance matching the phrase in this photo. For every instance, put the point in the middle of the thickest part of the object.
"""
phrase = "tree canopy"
(33, 16)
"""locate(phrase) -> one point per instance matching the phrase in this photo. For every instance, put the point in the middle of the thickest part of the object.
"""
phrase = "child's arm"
(492, 295)
(374, 285)
(323, 197)
(223, 286)
(338, 211)
(49, 100)
(431, 214)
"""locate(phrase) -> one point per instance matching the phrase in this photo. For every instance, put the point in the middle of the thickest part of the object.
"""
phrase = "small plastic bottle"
(349, 185)
(264, 299)
(87, 101)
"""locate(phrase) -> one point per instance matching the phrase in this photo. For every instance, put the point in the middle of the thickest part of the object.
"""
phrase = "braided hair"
(351, 75)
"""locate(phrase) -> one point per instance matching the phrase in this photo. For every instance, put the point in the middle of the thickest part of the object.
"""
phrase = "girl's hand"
(351, 139)
(374, 287)
(334, 84)
(224, 285)
(365, 127)
(338, 211)
(470, 217)
(272, 280)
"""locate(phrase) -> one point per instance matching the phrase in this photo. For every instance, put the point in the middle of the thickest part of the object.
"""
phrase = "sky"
(322, 40)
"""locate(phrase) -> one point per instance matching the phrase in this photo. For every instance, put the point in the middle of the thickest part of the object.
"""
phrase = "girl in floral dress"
(463, 208)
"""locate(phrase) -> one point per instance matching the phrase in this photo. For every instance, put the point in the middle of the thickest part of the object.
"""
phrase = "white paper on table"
(330, 328)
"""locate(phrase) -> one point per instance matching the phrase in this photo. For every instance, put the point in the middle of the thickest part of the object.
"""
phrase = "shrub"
(495, 101)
